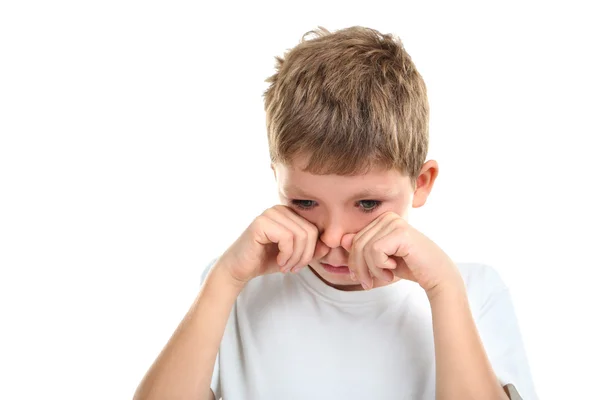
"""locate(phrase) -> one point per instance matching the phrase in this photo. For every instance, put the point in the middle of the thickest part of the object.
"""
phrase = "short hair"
(349, 101)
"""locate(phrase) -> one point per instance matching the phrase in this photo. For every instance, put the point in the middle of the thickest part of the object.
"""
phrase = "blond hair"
(349, 101)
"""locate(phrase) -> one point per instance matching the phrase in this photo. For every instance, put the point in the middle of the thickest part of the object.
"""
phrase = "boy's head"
(348, 128)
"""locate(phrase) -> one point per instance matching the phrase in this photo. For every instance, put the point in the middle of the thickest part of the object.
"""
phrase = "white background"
(133, 151)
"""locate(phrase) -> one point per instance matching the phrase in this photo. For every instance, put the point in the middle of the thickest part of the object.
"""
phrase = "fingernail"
(352, 276)
(364, 285)
(297, 268)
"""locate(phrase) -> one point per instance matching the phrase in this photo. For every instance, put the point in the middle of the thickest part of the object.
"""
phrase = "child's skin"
(326, 219)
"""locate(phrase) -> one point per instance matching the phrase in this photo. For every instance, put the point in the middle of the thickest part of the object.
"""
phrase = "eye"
(304, 204)
(368, 205)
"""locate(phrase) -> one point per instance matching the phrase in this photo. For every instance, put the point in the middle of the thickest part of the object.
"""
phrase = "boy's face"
(338, 205)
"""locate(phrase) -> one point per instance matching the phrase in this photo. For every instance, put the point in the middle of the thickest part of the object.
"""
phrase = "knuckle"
(373, 245)
(399, 223)
(376, 247)
(302, 235)
(389, 215)
(403, 234)
(279, 208)
(267, 212)
(259, 221)
(312, 230)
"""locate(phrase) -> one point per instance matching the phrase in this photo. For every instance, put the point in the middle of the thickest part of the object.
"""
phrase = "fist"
(390, 248)
(278, 240)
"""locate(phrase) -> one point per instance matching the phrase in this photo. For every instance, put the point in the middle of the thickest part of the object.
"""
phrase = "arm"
(389, 247)
(184, 368)
(276, 241)
(463, 370)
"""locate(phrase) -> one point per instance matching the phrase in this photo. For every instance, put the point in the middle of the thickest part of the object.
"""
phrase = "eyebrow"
(367, 193)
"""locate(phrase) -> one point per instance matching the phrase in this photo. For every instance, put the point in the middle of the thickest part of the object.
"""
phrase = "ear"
(424, 182)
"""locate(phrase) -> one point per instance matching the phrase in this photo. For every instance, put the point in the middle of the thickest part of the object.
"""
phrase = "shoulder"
(498, 328)
(483, 283)
(480, 276)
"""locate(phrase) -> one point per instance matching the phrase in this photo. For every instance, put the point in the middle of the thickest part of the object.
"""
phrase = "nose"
(331, 234)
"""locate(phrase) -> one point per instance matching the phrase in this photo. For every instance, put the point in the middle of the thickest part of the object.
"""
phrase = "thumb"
(347, 240)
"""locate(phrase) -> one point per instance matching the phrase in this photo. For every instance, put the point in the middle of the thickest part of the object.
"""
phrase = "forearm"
(463, 370)
(184, 368)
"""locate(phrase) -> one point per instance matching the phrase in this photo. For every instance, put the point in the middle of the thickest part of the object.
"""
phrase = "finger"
(373, 257)
(386, 216)
(321, 250)
(312, 239)
(391, 249)
(384, 274)
(271, 231)
(403, 272)
(346, 241)
(300, 235)
(369, 226)
(374, 267)
(390, 263)
(358, 256)
(396, 247)
(396, 243)
(359, 270)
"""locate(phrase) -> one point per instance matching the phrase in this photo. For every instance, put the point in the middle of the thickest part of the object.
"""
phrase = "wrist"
(447, 290)
(220, 275)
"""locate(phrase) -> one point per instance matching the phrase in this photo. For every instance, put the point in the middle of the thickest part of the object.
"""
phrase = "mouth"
(336, 269)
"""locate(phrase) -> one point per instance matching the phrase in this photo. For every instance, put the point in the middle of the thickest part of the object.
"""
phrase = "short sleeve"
(499, 330)
(215, 384)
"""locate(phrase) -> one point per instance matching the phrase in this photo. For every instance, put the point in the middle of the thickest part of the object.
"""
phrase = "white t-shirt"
(294, 337)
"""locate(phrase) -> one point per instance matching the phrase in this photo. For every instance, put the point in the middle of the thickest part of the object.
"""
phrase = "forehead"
(292, 180)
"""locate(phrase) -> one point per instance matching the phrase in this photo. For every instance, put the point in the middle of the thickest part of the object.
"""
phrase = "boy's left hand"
(389, 247)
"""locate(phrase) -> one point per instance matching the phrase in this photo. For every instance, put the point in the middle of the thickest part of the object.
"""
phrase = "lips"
(336, 269)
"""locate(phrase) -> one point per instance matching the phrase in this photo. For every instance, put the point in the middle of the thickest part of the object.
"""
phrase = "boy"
(332, 294)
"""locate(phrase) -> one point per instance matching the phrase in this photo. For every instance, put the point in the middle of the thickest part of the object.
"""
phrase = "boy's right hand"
(277, 240)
